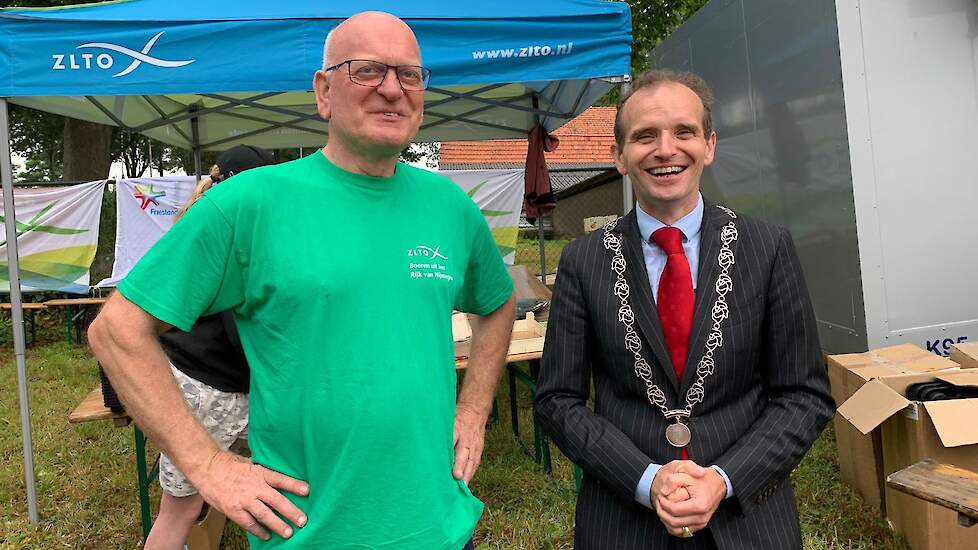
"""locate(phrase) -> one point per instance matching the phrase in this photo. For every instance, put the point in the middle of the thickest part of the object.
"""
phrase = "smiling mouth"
(390, 114)
(666, 171)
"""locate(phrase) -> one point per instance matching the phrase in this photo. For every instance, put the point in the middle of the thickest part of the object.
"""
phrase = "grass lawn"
(87, 490)
(528, 253)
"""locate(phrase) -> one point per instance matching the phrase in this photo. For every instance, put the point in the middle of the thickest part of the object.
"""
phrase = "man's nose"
(390, 88)
(666, 146)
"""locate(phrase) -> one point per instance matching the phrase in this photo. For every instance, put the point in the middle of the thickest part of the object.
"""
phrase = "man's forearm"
(125, 342)
(490, 343)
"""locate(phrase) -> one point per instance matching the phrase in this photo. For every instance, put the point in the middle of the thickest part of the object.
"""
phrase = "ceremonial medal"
(678, 434)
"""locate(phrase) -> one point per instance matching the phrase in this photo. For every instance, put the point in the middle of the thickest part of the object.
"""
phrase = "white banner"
(499, 194)
(57, 233)
(145, 210)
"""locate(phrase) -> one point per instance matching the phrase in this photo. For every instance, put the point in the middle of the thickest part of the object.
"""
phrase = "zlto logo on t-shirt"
(425, 264)
(426, 252)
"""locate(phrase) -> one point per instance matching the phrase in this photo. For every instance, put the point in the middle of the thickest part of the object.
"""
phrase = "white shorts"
(223, 414)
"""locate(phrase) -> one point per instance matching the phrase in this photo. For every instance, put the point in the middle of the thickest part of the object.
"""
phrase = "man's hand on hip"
(469, 439)
(249, 495)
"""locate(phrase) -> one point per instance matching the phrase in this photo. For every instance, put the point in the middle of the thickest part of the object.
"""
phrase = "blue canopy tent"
(244, 69)
(211, 75)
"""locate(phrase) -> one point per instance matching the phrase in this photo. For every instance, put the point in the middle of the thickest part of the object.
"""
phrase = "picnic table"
(528, 376)
(526, 348)
(30, 308)
(76, 311)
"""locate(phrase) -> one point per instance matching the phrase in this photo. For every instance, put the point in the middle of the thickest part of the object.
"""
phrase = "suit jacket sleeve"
(563, 386)
(795, 381)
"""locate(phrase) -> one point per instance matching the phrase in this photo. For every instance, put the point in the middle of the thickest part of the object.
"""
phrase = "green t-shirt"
(342, 287)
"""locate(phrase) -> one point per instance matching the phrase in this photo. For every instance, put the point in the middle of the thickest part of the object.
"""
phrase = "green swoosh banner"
(57, 233)
(499, 195)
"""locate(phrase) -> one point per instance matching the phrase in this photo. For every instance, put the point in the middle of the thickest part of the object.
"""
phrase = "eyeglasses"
(413, 78)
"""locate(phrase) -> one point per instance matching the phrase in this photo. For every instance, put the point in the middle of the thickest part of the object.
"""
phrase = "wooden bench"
(26, 306)
(205, 534)
(92, 408)
(941, 484)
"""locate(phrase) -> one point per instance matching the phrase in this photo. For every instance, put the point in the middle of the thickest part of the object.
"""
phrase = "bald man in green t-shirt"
(342, 270)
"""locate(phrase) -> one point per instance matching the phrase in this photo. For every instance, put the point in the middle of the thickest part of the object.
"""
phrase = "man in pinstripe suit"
(692, 438)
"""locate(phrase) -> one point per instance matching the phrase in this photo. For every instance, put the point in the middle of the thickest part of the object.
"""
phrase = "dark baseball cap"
(240, 158)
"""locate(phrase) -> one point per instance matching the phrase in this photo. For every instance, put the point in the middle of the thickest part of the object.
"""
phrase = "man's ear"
(320, 87)
(711, 148)
(616, 158)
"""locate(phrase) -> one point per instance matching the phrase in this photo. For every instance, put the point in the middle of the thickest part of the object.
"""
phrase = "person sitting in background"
(210, 369)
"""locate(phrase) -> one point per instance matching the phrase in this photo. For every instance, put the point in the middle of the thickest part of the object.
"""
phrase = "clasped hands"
(686, 494)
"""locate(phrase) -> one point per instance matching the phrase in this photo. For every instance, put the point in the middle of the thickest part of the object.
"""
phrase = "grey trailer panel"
(911, 73)
(783, 148)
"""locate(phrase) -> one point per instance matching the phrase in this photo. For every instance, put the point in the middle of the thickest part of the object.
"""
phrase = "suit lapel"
(646, 315)
(706, 280)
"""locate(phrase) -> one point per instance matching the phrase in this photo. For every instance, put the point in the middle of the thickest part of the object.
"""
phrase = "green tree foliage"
(652, 22)
(422, 151)
(143, 156)
(39, 138)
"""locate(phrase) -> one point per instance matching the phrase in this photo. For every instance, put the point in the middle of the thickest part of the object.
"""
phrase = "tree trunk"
(87, 157)
(87, 153)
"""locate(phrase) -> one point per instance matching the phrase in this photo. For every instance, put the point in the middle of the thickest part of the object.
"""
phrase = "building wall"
(603, 200)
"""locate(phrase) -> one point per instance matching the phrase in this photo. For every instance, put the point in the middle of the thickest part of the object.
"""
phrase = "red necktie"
(675, 301)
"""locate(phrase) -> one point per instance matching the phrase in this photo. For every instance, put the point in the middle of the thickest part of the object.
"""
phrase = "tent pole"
(195, 133)
(543, 253)
(626, 182)
(16, 309)
(149, 148)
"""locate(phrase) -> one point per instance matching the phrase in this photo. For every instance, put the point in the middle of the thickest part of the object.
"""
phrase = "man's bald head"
(338, 41)
(369, 124)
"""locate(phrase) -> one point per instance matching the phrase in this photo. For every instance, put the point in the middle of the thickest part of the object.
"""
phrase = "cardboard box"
(206, 533)
(461, 329)
(965, 354)
(944, 431)
(861, 455)
(527, 338)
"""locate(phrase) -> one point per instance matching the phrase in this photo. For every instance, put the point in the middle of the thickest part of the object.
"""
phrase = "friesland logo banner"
(146, 209)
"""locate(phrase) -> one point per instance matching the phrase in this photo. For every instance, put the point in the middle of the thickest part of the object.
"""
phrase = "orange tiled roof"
(587, 138)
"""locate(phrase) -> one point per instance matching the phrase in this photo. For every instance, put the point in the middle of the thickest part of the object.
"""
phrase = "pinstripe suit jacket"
(764, 405)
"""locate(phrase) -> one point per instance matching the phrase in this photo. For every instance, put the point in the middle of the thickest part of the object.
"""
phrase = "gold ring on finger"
(686, 533)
